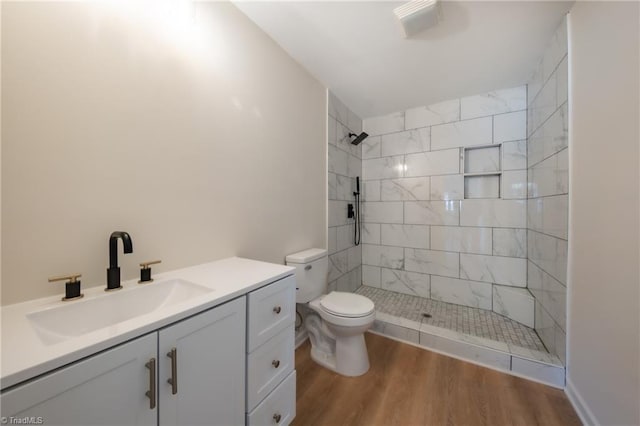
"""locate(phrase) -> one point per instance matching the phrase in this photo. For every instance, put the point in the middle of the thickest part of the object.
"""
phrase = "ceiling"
(357, 49)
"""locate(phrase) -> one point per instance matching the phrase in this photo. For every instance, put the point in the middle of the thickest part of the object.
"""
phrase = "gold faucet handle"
(71, 278)
(145, 265)
(72, 286)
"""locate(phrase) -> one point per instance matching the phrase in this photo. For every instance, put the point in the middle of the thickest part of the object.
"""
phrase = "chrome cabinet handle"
(307, 268)
(151, 393)
(275, 363)
(277, 417)
(277, 309)
(173, 381)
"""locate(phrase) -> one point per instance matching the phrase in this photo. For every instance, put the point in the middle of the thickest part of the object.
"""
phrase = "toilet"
(336, 322)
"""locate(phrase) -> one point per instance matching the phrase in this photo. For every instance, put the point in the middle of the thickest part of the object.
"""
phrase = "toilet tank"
(312, 267)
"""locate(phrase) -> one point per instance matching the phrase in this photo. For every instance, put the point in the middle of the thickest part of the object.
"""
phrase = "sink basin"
(84, 316)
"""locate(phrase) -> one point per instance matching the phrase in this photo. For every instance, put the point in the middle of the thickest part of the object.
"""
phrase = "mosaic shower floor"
(485, 325)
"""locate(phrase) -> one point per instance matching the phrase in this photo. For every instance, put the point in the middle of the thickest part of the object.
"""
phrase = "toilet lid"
(346, 304)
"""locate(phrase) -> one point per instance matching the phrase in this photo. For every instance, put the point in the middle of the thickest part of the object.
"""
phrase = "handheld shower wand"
(356, 228)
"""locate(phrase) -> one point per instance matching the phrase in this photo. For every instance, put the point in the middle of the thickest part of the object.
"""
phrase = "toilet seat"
(341, 319)
(346, 305)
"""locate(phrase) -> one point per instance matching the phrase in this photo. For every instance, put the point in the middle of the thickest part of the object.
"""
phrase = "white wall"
(186, 126)
(604, 322)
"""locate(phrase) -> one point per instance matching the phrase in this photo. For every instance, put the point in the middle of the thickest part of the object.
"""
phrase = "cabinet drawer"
(279, 408)
(270, 310)
(268, 365)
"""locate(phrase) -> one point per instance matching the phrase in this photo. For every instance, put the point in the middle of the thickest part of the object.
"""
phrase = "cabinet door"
(105, 389)
(209, 374)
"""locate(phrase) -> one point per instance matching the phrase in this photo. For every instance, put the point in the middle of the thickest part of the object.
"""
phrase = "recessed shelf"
(483, 174)
(482, 160)
(482, 186)
(482, 170)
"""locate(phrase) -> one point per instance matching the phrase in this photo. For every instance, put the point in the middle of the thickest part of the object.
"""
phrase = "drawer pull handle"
(173, 381)
(277, 417)
(277, 309)
(275, 363)
(151, 393)
(307, 268)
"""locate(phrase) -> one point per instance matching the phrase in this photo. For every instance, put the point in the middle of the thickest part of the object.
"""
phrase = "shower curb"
(521, 362)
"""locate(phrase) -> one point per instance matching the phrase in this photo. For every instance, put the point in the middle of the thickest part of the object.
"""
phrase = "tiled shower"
(464, 210)
(344, 164)
(444, 211)
(548, 189)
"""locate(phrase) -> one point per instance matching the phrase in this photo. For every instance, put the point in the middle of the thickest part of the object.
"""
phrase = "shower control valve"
(350, 212)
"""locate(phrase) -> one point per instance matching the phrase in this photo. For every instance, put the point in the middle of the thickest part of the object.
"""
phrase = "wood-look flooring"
(407, 385)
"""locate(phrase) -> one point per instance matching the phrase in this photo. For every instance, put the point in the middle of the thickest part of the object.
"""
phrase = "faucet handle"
(72, 278)
(72, 287)
(145, 265)
(145, 272)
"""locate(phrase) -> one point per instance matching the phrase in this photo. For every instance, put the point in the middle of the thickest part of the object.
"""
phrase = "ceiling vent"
(417, 15)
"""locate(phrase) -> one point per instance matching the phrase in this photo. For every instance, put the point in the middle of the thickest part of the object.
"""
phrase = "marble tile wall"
(547, 192)
(421, 236)
(344, 164)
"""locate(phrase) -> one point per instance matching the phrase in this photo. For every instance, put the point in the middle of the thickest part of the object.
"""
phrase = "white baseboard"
(585, 414)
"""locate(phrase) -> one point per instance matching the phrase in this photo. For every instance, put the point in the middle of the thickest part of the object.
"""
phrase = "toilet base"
(324, 359)
(351, 358)
(337, 343)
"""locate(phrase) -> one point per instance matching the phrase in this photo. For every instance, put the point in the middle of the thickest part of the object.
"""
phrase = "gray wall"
(604, 281)
(189, 128)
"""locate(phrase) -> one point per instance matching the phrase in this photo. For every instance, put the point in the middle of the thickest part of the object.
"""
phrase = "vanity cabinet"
(225, 360)
(271, 378)
(128, 384)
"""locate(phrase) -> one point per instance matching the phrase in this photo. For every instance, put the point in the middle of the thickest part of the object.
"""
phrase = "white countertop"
(25, 356)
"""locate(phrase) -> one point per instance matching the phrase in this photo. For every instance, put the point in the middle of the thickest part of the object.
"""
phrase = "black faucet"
(113, 273)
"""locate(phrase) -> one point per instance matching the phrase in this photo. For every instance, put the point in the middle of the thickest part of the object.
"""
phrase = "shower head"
(359, 138)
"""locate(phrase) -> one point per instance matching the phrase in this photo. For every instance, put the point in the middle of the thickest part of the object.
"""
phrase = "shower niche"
(482, 171)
